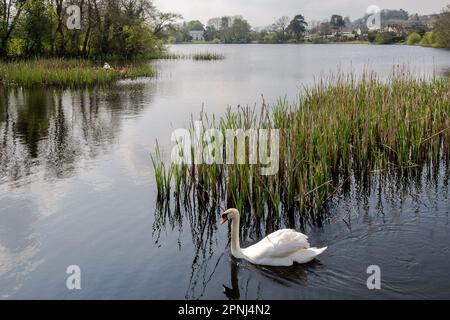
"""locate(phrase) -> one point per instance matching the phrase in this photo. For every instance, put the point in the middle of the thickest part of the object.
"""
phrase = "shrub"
(413, 39)
(429, 39)
(386, 38)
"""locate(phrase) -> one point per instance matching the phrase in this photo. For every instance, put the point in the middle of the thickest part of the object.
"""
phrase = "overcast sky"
(264, 12)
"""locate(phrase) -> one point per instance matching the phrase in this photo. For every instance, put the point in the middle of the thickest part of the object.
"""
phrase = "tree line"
(236, 29)
(396, 26)
(136, 28)
(117, 28)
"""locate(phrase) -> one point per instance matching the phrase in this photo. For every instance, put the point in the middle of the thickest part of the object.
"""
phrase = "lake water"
(77, 188)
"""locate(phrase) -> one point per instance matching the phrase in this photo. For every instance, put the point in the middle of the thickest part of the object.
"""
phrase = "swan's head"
(230, 214)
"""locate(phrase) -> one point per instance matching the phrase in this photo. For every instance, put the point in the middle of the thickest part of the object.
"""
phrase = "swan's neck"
(235, 246)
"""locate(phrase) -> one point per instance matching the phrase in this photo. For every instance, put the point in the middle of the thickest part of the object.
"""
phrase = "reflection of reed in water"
(208, 252)
(203, 229)
(390, 188)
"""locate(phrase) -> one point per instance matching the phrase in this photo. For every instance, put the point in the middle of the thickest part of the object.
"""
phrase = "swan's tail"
(319, 250)
(306, 255)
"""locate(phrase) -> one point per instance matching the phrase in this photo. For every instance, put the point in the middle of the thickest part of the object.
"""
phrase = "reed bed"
(341, 128)
(208, 56)
(67, 73)
(201, 56)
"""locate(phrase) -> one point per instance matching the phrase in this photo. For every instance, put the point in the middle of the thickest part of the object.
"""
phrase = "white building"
(197, 35)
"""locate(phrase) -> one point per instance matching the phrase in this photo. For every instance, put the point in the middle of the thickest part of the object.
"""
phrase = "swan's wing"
(281, 243)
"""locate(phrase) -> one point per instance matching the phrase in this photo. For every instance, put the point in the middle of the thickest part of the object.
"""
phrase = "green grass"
(340, 129)
(208, 56)
(196, 56)
(67, 73)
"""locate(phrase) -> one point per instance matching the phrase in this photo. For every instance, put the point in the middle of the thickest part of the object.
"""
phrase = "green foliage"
(239, 31)
(109, 28)
(211, 34)
(372, 36)
(315, 38)
(196, 56)
(67, 73)
(36, 26)
(271, 37)
(337, 22)
(207, 56)
(298, 26)
(386, 38)
(413, 39)
(195, 25)
(332, 134)
(429, 40)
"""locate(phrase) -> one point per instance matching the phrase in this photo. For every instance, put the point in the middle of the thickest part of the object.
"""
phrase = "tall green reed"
(340, 128)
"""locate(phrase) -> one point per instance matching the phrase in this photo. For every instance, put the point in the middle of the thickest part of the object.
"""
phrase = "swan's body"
(106, 66)
(280, 248)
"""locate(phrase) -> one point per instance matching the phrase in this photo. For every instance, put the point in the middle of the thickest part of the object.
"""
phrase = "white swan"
(280, 248)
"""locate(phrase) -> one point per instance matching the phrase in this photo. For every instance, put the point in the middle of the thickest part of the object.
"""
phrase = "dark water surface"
(77, 188)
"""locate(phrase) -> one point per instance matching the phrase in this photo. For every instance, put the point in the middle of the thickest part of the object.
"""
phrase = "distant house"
(196, 35)
(394, 28)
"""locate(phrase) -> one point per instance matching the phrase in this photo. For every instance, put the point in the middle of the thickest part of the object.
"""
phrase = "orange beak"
(224, 219)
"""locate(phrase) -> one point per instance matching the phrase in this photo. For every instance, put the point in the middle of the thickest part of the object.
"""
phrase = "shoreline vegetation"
(394, 27)
(68, 73)
(341, 129)
(206, 56)
(76, 73)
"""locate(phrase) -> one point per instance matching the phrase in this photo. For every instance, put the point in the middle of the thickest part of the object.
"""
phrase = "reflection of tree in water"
(53, 129)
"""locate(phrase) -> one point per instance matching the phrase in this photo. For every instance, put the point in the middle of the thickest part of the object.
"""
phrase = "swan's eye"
(224, 216)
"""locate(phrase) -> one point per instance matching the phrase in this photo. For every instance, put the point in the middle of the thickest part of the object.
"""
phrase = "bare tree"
(162, 20)
(281, 26)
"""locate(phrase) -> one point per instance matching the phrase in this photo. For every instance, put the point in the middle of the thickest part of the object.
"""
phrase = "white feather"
(280, 248)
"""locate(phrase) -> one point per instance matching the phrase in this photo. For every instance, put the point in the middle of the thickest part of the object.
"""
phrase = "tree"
(324, 28)
(36, 26)
(161, 20)
(385, 38)
(413, 39)
(195, 25)
(337, 22)
(120, 28)
(281, 26)
(442, 28)
(347, 22)
(10, 11)
(298, 26)
(211, 33)
(270, 37)
(214, 22)
(239, 31)
(225, 34)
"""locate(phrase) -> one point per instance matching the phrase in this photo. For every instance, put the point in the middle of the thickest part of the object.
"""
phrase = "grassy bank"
(67, 73)
(340, 129)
